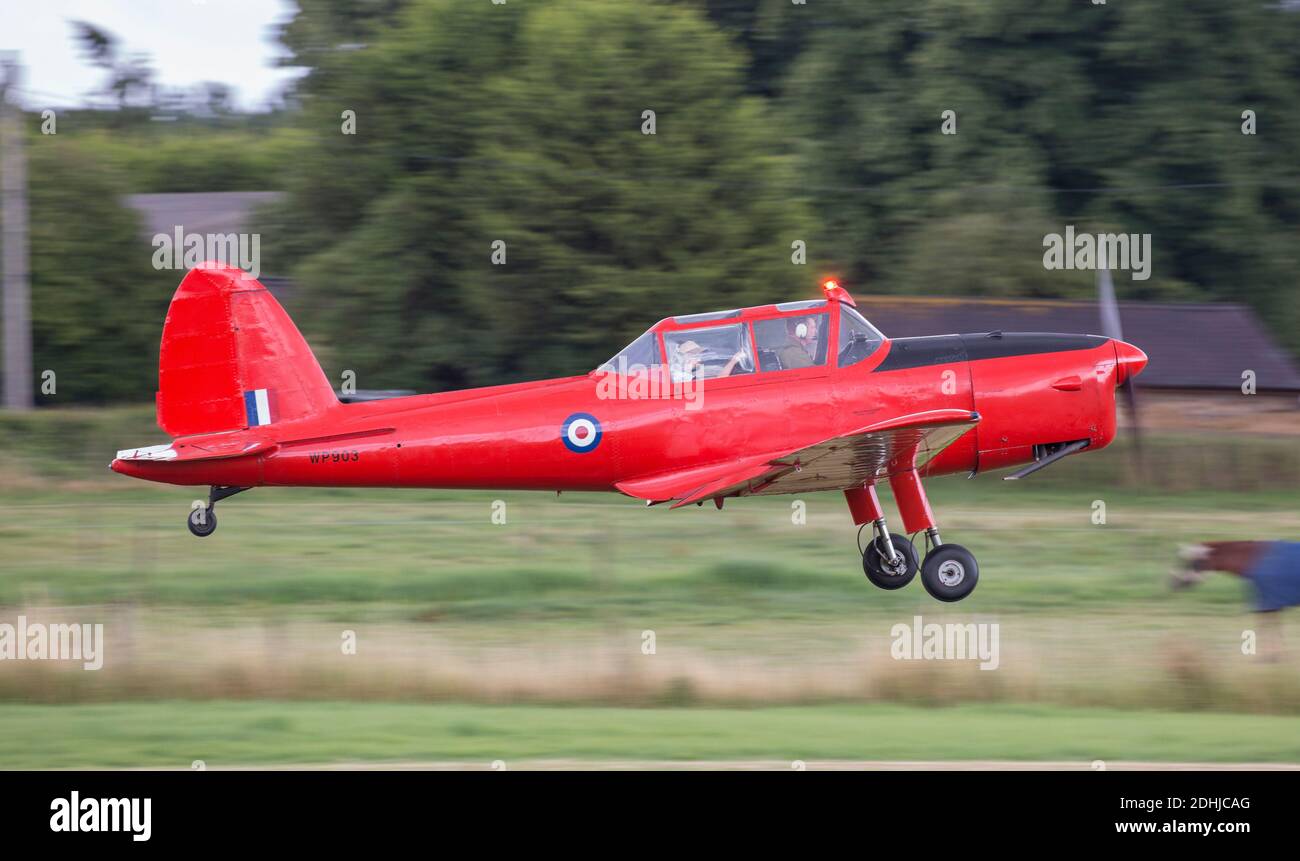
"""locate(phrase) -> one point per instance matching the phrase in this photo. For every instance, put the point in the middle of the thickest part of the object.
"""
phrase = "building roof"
(200, 212)
(1191, 346)
(204, 212)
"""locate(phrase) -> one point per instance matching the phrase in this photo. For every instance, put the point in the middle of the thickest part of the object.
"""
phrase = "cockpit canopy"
(741, 341)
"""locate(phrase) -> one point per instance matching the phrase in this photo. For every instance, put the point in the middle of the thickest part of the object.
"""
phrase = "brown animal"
(1271, 567)
(1198, 560)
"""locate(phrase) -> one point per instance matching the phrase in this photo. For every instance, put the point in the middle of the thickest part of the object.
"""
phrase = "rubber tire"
(873, 563)
(209, 526)
(936, 559)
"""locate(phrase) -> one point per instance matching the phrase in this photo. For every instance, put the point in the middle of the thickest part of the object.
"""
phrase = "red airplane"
(791, 398)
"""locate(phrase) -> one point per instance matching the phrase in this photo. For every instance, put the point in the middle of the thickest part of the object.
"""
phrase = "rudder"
(231, 358)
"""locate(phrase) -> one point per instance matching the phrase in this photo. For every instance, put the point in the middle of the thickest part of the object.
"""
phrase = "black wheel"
(949, 572)
(202, 521)
(875, 564)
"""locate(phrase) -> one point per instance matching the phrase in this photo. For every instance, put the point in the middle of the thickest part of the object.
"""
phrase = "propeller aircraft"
(790, 398)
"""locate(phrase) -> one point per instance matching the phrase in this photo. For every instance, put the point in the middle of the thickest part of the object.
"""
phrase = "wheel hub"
(895, 568)
(951, 573)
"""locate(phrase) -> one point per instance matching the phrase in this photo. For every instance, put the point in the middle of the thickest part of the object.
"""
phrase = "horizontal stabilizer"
(199, 449)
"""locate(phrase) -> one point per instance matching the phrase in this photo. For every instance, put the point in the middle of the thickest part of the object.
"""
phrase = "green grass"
(586, 555)
(750, 606)
(231, 734)
(71, 532)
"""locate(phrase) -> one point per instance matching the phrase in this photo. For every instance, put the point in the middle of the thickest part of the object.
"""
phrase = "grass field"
(173, 735)
(584, 554)
(481, 640)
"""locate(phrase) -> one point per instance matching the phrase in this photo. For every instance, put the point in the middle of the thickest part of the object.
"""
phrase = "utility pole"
(13, 256)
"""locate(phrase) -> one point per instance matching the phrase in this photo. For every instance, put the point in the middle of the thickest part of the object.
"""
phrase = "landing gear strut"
(949, 572)
(889, 561)
(202, 520)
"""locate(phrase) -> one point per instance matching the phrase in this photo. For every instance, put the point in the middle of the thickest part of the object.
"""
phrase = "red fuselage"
(1029, 390)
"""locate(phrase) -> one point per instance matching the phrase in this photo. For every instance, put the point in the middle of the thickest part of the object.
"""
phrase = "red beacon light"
(834, 291)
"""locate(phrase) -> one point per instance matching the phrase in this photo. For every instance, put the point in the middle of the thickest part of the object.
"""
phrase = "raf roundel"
(581, 433)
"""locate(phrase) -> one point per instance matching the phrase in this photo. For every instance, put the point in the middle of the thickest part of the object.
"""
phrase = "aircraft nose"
(1131, 361)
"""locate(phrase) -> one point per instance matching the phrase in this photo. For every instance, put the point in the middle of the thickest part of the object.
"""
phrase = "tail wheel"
(202, 521)
(949, 572)
(876, 565)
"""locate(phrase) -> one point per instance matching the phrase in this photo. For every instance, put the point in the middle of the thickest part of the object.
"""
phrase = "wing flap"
(673, 485)
(869, 453)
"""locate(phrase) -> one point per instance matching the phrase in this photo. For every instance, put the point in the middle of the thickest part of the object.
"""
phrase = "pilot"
(687, 363)
(800, 350)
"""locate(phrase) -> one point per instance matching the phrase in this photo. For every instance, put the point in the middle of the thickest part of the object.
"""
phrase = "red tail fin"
(231, 358)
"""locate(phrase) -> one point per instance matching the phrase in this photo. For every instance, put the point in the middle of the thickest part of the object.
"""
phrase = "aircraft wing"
(872, 452)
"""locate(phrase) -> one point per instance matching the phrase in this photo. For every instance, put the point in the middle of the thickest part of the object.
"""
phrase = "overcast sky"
(187, 42)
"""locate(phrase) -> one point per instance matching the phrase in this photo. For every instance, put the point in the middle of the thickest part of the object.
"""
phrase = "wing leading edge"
(873, 452)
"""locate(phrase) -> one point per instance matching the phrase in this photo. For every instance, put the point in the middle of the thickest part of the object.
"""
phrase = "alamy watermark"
(635, 382)
(131, 815)
(181, 250)
(36, 641)
(973, 641)
(1125, 251)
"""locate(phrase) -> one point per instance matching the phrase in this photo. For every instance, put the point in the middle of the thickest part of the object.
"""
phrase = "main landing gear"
(202, 521)
(949, 571)
(889, 561)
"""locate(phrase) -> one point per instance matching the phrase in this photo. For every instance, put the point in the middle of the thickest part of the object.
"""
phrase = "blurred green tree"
(476, 123)
(130, 77)
(522, 122)
(771, 32)
(1111, 118)
(97, 301)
